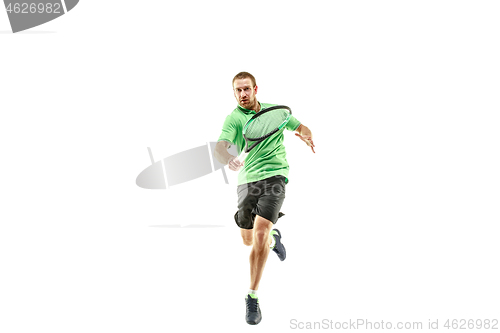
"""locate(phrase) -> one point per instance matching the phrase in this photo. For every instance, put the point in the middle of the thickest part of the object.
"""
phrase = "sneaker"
(253, 316)
(279, 248)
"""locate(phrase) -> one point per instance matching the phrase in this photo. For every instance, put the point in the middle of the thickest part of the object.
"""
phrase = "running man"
(261, 183)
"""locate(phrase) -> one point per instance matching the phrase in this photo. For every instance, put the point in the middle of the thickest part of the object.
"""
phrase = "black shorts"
(264, 198)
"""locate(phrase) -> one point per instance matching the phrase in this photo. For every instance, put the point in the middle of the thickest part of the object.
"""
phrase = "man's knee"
(247, 236)
(262, 227)
(261, 236)
(247, 241)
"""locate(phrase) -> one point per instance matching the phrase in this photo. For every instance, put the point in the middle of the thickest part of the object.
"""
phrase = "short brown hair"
(244, 75)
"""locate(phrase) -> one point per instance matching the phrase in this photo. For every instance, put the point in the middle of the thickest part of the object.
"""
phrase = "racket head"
(266, 122)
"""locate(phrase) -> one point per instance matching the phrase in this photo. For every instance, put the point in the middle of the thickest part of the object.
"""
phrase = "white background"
(394, 218)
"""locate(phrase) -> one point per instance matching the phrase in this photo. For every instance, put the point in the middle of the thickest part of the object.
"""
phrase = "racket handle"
(242, 156)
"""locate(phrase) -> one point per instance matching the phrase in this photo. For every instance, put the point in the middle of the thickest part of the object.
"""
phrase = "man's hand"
(305, 135)
(234, 164)
(308, 140)
(223, 156)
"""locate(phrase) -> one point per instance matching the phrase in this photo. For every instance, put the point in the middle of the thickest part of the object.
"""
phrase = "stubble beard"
(252, 104)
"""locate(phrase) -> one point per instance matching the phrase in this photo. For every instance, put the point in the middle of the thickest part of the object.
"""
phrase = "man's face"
(245, 93)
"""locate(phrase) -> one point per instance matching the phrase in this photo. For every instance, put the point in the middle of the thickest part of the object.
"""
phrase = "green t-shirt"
(268, 158)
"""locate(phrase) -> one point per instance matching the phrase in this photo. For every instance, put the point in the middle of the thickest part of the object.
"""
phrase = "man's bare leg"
(260, 240)
(260, 250)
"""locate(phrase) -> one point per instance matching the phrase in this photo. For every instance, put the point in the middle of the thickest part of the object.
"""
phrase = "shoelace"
(252, 304)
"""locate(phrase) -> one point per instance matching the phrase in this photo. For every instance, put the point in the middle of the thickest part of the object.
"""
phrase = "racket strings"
(267, 123)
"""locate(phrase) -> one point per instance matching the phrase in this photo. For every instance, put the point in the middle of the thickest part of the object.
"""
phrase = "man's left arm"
(305, 134)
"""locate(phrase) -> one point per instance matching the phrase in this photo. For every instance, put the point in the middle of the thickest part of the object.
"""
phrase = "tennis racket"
(262, 125)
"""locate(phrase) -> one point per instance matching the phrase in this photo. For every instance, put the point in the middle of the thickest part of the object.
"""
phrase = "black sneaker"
(253, 316)
(279, 248)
